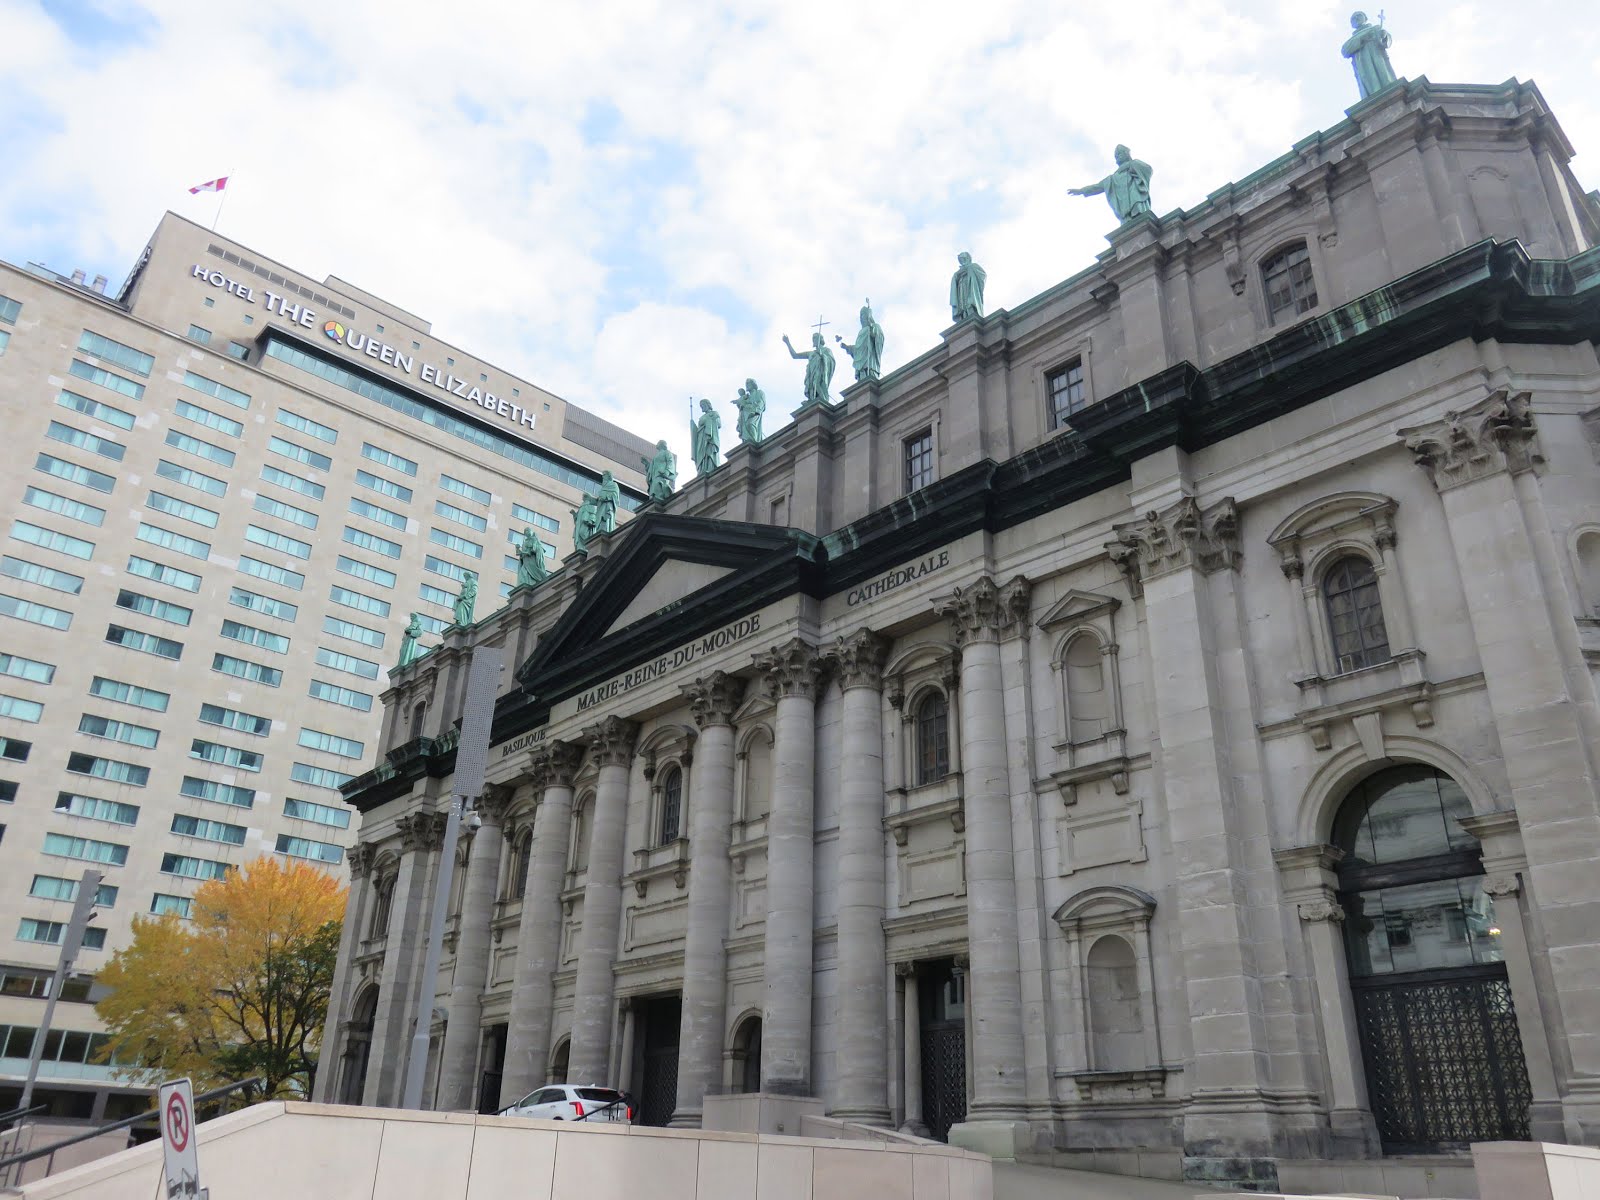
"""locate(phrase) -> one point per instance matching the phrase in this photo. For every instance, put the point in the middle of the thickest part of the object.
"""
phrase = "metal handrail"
(126, 1122)
(18, 1113)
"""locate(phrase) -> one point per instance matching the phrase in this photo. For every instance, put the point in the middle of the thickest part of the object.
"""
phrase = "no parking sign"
(180, 1149)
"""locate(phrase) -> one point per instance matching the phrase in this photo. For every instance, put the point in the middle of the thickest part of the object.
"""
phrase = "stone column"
(630, 1020)
(862, 1090)
(463, 1034)
(792, 673)
(978, 615)
(539, 928)
(611, 744)
(362, 858)
(421, 835)
(912, 1039)
(712, 698)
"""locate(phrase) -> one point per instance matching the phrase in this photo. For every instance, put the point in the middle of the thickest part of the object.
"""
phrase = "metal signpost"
(472, 760)
(180, 1142)
(71, 942)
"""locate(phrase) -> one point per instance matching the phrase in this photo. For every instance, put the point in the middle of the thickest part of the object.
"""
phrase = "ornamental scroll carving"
(1181, 535)
(792, 669)
(985, 611)
(1321, 910)
(422, 831)
(495, 802)
(1496, 434)
(362, 859)
(611, 741)
(554, 764)
(859, 659)
(1502, 885)
(714, 697)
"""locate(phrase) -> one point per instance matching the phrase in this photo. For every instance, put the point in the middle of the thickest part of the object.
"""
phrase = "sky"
(630, 203)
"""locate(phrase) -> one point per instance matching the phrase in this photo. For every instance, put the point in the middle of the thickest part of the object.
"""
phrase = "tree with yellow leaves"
(240, 990)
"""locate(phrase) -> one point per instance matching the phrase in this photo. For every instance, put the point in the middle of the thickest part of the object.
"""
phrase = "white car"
(573, 1102)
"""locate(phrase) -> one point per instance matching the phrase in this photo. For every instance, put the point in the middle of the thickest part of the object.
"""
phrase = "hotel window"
(322, 814)
(382, 486)
(227, 756)
(37, 614)
(933, 738)
(94, 809)
(917, 453)
(462, 488)
(208, 831)
(319, 776)
(73, 473)
(49, 539)
(387, 458)
(51, 933)
(293, 483)
(182, 509)
(161, 573)
(357, 569)
(164, 905)
(274, 540)
(188, 477)
(62, 506)
(147, 643)
(471, 520)
(352, 631)
(537, 519)
(220, 391)
(286, 512)
(272, 574)
(149, 606)
(1288, 283)
(435, 595)
(104, 447)
(193, 868)
(95, 410)
(118, 731)
(1355, 614)
(1066, 392)
(19, 709)
(221, 793)
(263, 639)
(299, 454)
(358, 601)
(197, 334)
(109, 380)
(15, 750)
(334, 694)
(371, 541)
(307, 425)
(205, 450)
(347, 663)
(671, 805)
(129, 693)
(30, 669)
(53, 887)
(168, 540)
(211, 420)
(265, 605)
(450, 541)
(232, 718)
(59, 845)
(136, 361)
(9, 309)
(298, 847)
(373, 512)
(331, 743)
(239, 351)
(32, 572)
(239, 668)
(108, 768)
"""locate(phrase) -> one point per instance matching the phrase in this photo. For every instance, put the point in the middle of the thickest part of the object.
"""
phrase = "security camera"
(474, 820)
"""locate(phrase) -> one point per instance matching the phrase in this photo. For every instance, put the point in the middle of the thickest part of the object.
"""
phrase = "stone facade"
(1030, 792)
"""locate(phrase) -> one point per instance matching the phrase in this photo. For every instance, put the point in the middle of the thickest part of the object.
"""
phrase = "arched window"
(932, 738)
(758, 775)
(1589, 571)
(1088, 700)
(382, 903)
(358, 1047)
(417, 715)
(747, 1056)
(1116, 1023)
(581, 821)
(559, 1060)
(521, 858)
(1355, 614)
(1287, 282)
(671, 805)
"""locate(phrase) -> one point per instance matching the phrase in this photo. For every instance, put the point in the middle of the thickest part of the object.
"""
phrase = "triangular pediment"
(1078, 606)
(672, 582)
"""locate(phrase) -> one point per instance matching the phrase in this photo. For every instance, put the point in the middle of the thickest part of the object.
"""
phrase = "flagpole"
(221, 202)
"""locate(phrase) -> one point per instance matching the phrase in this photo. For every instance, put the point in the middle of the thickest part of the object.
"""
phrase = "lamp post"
(71, 942)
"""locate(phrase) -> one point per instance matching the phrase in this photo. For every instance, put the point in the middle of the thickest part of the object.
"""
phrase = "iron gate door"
(658, 1093)
(942, 996)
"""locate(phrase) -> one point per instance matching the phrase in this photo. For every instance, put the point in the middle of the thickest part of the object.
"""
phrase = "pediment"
(672, 581)
(1078, 606)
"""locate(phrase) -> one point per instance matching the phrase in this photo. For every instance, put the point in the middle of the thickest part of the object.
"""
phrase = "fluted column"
(979, 614)
(362, 858)
(611, 743)
(862, 1092)
(539, 930)
(792, 672)
(712, 698)
(458, 1058)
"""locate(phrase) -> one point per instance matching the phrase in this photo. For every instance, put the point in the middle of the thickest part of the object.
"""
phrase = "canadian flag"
(213, 185)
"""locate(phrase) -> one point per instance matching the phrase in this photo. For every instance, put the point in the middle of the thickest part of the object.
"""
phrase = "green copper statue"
(1127, 189)
(819, 367)
(585, 522)
(966, 289)
(1368, 51)
(467, 600)
(752, 402)
(531, 567)
(606, 501)
(706, 437)
(661, 472)
(408, 643)
(867, 353)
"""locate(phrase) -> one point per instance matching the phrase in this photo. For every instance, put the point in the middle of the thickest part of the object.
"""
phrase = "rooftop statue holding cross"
(1368, 51)
(819, 365)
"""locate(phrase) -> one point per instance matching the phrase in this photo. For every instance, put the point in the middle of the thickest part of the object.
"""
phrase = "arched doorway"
(558, 1061)
(1433, 1004)
(747, 1056)
(357, 1048)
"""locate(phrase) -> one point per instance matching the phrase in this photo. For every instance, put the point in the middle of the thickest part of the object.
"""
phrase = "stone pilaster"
(911, 1049)
(713, 699)
(611, 744)
(791, 674)
(1178, 537)
(458, 1057)
(362, 858)
(551, 769)
(862, 1090)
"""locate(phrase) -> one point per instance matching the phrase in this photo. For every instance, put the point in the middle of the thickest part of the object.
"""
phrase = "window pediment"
(1078, 607)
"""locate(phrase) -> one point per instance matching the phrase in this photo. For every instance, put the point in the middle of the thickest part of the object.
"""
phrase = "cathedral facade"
(1162, 716)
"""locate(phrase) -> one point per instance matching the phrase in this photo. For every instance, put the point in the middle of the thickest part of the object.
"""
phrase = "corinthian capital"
(422, 831)
(611, 741)
(554, 764)
(985, 611)
(1321, 910)
(1181, 535)
(859, 659)
(713, 698)
(1495, 434)
(495, 801)
(362, 859)
(792, 669)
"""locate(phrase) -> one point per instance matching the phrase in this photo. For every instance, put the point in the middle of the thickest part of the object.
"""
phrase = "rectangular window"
(227, 756)
(73, 473)
(359, 601)
(265, 605)
(19, 709)
(238, 632)
(38, 614)
(129, 693)
(211, 420)
(286, 512)
(432, 624)
(917, 451)
(197, 334)
(49, 539)
(538, 519)
(451, 542)
(9, 309)
(346, 663)
(169, 540)
(387, 458)
(443, 567)
(345, 697)
(53, 887)
(331, 743)
(239, 350)
(104, 447)
(298, 847)
(30, 669)
(189, 477)
(163, 904)
(16, 750)
(51, 933)
(109, 380)
(59, 845)
(119, 731)
(221, 793)
(272, 574)
(193, 868)
(220, 391)
(182, 509)
(161, 573)
(136, 361)
(8, 787)
(360, 570)
(452, 513)
(307, 425)
(322, 814)
(319, 776)
(299, 453)
(462, 488)
(352, 631)
(32, 572)
(210, 831)
(293, 482)
(373, 512)
(383, 486)
(161, 610)
(232, 718)
(73, 510)
(1066, 392)
(273, 540)
(108, 768)
(371, 541)
(95, 410)
(435, 595)
(240, 668)
(146, 643)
